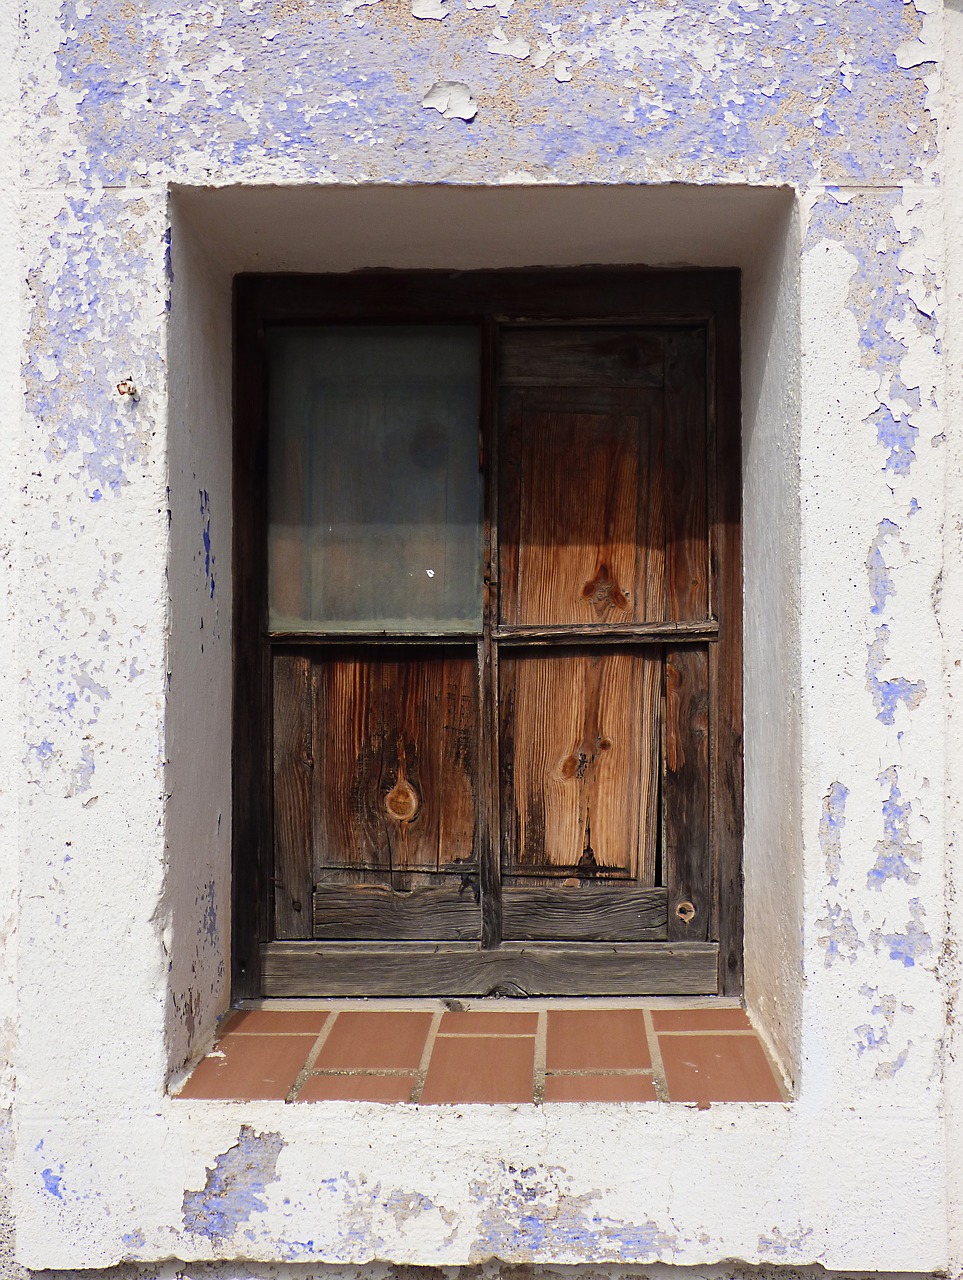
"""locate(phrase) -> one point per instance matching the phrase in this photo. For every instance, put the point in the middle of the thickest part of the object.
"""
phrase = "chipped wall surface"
(163, 148)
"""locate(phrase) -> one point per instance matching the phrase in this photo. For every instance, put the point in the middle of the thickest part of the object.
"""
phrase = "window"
(487, 633)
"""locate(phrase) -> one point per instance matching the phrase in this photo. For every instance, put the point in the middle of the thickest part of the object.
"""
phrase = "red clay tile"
(479, 1022)
(717, 1068)
(356, 1089)
(599, 1088)
(475, 1069)
(700, 1020)
(249, 1067)
(275, 1022)
(376, 1039)
(593, 1039)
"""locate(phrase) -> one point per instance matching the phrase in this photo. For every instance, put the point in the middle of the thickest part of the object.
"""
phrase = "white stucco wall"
(798, 140)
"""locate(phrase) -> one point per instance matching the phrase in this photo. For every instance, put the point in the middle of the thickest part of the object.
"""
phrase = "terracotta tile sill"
(549, 1051)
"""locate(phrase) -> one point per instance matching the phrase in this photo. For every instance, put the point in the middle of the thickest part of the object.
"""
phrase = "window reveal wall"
(554, 777)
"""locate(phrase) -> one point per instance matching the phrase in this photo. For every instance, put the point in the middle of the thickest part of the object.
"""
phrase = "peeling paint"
(897, 856)
(235, 1186)
(831, 824)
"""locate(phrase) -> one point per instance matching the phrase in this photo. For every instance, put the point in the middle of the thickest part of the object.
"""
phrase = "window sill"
(430, 1051)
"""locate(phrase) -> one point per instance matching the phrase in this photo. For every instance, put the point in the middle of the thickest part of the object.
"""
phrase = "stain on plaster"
(897, 856)
(206, 552)
(831, 823)
(235, 1186)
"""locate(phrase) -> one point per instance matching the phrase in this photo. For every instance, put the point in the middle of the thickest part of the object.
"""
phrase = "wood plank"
(725, 672)
(685, 794)
(376, 912)
(686, 509)
(252, 840)
(582, 357)
(293, 784)
(397, 739)
(461, 969)
(578, 495)
(584, 914)
(602, 633)
(577, 727)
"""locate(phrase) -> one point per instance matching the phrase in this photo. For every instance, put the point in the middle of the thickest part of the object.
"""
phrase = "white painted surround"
(115, 562)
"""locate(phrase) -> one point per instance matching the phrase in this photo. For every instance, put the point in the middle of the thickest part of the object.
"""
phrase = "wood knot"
(401, 802)
(603, 592)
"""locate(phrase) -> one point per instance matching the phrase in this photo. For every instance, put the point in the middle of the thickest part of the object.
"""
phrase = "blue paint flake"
(889, 694)
(235, 1186)
(897, 856)
(840, 939)
(831, 824)
(53, 1182)
(881, 586)
(913, 944)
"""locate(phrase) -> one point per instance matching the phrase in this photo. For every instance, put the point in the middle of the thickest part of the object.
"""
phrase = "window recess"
(488, 706)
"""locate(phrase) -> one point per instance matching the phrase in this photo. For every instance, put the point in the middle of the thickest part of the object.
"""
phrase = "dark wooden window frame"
(625, 295)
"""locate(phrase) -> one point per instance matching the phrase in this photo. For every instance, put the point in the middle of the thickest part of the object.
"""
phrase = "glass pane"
(375, 493)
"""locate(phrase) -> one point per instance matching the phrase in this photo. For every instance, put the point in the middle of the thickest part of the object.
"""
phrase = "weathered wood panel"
(578, 765)
(376, 912)
(397, 738)
(572, 498)
(685, 793)
(293, 780)
(613, 913)
(686, 466)
(581, 357)
(460, 969)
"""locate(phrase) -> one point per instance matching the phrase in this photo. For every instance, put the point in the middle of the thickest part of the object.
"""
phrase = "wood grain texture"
(578, 771)
(686, 462)
(576, 495)
(581, 357)
(685, 794)
(726, 657)
(293, 785)
(397, 744)
(460, 969)
(375, 912)
(613, 913)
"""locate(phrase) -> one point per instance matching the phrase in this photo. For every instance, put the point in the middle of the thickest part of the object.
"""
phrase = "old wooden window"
(487, 632)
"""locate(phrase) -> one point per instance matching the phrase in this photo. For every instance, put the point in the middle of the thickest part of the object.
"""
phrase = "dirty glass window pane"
(374, 487)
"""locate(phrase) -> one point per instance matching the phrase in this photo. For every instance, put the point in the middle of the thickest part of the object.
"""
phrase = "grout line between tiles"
(655, 1053)
(426, 1052)
(362, 1071)
(486, 1035)
(541, 1041)
(312, 1057)
(602, 1071)
(711, 1031)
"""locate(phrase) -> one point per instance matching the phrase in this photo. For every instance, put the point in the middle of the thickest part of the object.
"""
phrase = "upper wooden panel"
(603, 495)
(596, 356)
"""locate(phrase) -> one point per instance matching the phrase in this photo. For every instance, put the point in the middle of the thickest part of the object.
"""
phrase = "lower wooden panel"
(373, 912)
(513, 969)
(615, 913)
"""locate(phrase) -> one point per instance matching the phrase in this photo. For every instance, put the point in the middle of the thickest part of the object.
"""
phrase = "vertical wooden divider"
(488, 844)
(293, 795)
(685, 785)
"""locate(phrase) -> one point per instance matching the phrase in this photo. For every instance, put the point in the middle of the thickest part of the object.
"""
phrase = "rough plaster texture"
(142, 128)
